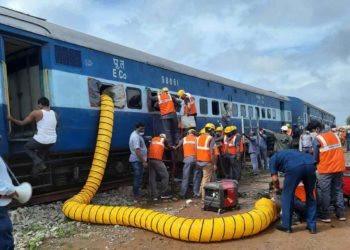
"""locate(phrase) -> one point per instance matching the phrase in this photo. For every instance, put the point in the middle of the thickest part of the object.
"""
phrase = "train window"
(215, 108)
(257, 112)
(234, 110)
(263, 113)
(133, 96)
(226, 109)
(269, 113)
(250, 112)
(243, 111)
(289, 116)
(203, 106)
(274, 114)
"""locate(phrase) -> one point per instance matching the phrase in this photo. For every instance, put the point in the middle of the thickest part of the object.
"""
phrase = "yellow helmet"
(191, 131)
(202, 131)
(288, 125)
(230, 129)
(210, 125)
(165, 89)
(218, 129)
(180, 93)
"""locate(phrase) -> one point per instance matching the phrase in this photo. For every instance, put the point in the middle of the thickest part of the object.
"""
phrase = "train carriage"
(71, 68)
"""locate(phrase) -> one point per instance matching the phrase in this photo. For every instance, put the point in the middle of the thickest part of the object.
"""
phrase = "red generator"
(221, 195)
(346, 184)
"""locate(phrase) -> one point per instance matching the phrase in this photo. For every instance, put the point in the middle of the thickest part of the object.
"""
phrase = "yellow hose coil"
(187, 229)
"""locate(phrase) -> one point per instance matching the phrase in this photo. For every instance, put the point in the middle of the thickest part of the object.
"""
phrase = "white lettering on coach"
(119, 68)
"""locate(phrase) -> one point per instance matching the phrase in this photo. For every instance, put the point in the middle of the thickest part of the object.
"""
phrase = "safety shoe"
(326, 220)
(283, 229)
(166, 196)
(341, 218)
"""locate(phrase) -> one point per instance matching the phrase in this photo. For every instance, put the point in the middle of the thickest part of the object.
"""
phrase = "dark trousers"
(348, 145)
(138, 175)
(232, 169)
(158, 168)
(291, 180)
(37, 151)
(331, 185)
(171, 130)
(6, 238)
(197, 177)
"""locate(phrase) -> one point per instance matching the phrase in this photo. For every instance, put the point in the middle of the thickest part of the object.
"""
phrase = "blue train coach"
(39, 58)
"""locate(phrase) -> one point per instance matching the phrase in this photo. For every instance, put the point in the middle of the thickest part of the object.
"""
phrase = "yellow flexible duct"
(196, 230)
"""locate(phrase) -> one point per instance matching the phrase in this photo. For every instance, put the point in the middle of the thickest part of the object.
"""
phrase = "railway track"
(69, 192)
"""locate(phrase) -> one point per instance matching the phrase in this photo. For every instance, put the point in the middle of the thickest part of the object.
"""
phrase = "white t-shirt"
(46, 128)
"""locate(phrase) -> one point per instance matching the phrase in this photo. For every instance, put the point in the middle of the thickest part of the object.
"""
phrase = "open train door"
(23, 83)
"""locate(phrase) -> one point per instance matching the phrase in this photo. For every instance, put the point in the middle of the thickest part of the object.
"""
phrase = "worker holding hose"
(296, 166)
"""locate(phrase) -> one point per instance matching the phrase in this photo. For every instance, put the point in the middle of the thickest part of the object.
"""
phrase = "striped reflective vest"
(230, 147)
(156, 149)
(332, 158)
(189, 146)
(166, 104)
(203, 148)
(193, 109)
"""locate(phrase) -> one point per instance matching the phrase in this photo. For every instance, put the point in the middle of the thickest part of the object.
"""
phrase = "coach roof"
(42, 27)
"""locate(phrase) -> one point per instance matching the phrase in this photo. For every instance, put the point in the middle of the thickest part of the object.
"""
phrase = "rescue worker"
(232, 153)
(189, 152)
(329, 156)
(254, 151)
(157, 167)
(305, 142)
(282, 140)
(168, 114)
(218, 146)
(206, 159)
(263, 148)
(190, 104)
(296, 166)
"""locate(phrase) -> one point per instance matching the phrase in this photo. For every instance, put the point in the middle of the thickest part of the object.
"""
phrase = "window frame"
(263, 113)
(233, 109)
(274, 114)
(250, 112)
(269, 113)
(245, 110)
(218, 107)
(201, 100)
(127, 97)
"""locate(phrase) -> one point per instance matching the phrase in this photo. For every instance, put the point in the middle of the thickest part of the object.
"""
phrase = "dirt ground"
(335, 235)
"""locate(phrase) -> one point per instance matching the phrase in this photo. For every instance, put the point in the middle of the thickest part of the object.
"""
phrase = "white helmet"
(162, 136)
(284, 128)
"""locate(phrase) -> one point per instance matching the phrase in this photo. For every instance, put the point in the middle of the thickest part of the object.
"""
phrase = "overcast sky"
(298, 48)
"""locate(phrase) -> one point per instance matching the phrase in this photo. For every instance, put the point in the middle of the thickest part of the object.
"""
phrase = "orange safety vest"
(300, 192)
(332, 158)
(189, 146)
(193, 109)
(203, 148)
(156, 149)
(229, 146)
(166, 104)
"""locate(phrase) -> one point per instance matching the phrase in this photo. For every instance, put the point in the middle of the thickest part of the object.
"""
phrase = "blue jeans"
(331, 185)
(197, 177)
(138, 176)
(6, 238)
(307, 173)
(348, 145)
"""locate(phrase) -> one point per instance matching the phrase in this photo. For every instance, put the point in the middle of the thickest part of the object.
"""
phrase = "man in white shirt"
(45, 138)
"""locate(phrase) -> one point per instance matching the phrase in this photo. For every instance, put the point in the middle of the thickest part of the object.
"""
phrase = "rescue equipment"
(79, 208)
(221, 195)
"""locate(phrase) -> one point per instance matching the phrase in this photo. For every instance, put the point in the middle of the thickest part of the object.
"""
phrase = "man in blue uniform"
(296, 166)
